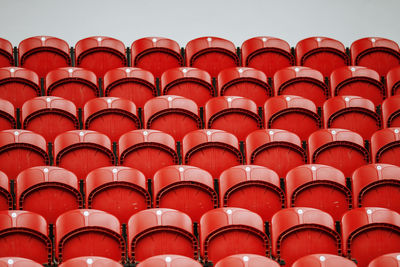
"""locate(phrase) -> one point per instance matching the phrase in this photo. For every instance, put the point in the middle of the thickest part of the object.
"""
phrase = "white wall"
(236, 20)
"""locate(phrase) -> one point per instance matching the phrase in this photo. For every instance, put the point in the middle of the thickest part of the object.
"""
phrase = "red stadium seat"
(6, 53)
(147, 151)
(174, 115)
(385, 146)
(18, 85)
(212, 54)
(100, 54)
(393, 81)
(111, 116)
(192, 83)
(154, 232)
(339, 148)
(357, 81)
(391, 112)
(48, 191)
(83, 151)
(353, 113)
(234, 114)
(21, 149)
(49, 116)
(376, 53)
(169, 261)
(369, 233)
(7, 115)
(90, 262)
(134, 84)
(156, 54)
(24, 234)
(239, 260)
(325, 260)
(297, 232)
(386, 260)
(246, 82)
(321, 53)
(88, 232)
(276, 149)
(377, 185)
(292, 113)
(18, 262)
(6, 200)
(206, 148)
(43, 54)
(120, 191)
(252, 187)
(185, 188)
(318, 186)
(268, 54)
(75, 84)
(228, 231)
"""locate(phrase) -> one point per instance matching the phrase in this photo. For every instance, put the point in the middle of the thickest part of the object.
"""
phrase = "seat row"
(213, 54)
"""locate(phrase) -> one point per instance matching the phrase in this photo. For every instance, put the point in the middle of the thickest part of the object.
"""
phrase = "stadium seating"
(185, 188)
(268, 54)
(252, 187)
(391, 112)
(134, 84)
(297, 232)
(276, 149)
(326, 260)
(75, 84)
(7, 115)
(48, 191)
(6, 53)
(154, 232)
(228, 231)
(301, 81)
(18, 85)
(90, 262)
(120, 191)
(43, 54)
(6, 199)
(339, 148)
(385, 146)
(239, 260)
(18, 262)
(387, 260)
(393, 81)
(212, 54)
(369, 233)
(376, 53)
(169, 260)
(100, 54)
(156, 54)
(321, 53)
(247, 82)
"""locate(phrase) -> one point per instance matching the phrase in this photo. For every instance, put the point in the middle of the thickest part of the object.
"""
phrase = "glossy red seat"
(393, 81)
(7, 115)
(391, 112)
(211, 54)
(120, 191)
(239, 260)
(174, 115)
(252, 187)
(268, 54)
(156, 54)
(386, 260)
(318, 186)
(206, 148)
(100, 54)
(369, 233)
(24, 234)
(76, 151)
(353, 113)
(91, 232)
(18, 85)
(339, 148)
(185, 188)
(75, 84)
(49, 116)
(154, 232)
(377, 53)
(385, 146)
(321, 53)
(297, 232)
(134, 84)
(111, 116)
(6, 53)
(18, 262)
(169, 260)
(326, 260)
(147, 151)
(43, 54)
(6, 200)
(21, 149)
(246, 82)
(48, 191)
(90, 262)
(357, 81)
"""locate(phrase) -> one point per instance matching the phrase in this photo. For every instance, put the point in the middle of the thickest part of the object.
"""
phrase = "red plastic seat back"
(391, 112)
(239, 260)
(168, 260)
(393, 81)
(6, 53)
(18, 262)
(387, 260)
(156, 54)
(90, 262)
(328, 260)
(6, 201)
(7, 115)
(385, 146)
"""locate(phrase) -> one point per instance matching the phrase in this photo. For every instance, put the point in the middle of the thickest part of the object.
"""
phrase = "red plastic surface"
(18, 262)
(323, 260)
(250, 260)
(391, 112)
(393, 81)
(90, 262)
(7, 115)
(6, 53)
(385, 146)
(386, 260)
(6, 201)
(169, 260)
